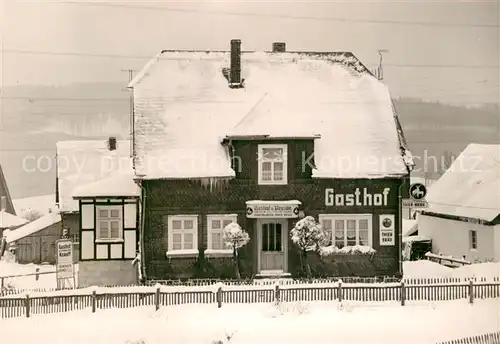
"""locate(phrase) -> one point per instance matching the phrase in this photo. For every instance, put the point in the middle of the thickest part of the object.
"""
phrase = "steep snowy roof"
(409, 227)
(184, 107)
(8, 220)
(4, 192)
(471, 186)
(84, 162)
(32, 227)
(117, 184)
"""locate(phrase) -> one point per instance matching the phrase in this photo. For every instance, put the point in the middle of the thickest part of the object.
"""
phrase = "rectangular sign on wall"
(387, 230)
(272, 209)
(64, 259)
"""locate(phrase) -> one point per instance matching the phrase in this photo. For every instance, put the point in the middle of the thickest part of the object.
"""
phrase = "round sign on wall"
(387, 222)
(418, 191)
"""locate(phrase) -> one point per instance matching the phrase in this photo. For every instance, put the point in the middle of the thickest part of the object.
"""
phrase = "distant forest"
(36, 117)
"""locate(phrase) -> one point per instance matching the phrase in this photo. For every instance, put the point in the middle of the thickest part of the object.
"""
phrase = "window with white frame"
(215, 227)
(348, 230)
(109, 222)
(272, 162)
(473, 240)
(182, 233)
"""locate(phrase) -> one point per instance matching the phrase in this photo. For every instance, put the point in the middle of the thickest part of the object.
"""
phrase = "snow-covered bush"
(234, 238)
(308, 235)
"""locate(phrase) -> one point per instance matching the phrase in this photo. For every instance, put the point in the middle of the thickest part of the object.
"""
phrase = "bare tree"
(32, 215)
(446, 161)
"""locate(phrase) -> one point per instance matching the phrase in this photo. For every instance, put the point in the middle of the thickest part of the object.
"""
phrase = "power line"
(310, 18)
(121, 56)
(78, 54)
(33, 99)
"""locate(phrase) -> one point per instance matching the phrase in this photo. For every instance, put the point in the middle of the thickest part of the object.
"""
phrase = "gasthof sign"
(64, 259)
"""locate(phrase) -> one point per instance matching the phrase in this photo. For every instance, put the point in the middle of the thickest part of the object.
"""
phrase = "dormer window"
(272, 162)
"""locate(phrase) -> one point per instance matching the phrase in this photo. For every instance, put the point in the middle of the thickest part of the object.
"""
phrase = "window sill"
(182, 253)
(218, 253)
(272, 183)
(109, 241)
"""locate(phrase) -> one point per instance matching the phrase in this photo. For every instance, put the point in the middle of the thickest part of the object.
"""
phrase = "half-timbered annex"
(99, 203)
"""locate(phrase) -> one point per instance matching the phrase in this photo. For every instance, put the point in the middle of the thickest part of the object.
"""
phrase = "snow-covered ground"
(40, 204)
(428, 269)
(317, 322)
(10, 268)
(46, 281)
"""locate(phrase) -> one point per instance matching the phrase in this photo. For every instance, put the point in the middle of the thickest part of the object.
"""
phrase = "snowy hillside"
(40, 204)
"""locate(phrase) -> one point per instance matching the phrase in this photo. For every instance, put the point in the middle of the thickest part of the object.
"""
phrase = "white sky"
(62, 27)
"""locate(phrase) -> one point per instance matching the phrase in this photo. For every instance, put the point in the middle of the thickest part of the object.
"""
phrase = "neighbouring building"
(109, 222)
(8, 217)
(35, 242)
(7, 204)
(83, 162)
(263, 139)
(463, 217)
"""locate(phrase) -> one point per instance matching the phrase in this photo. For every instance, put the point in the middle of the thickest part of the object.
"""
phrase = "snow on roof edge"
(32, 227)
(144, 70)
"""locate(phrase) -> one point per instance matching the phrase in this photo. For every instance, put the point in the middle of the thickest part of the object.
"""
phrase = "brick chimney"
(235, 71)
(3, 203)
(112, 143)
(279, 47)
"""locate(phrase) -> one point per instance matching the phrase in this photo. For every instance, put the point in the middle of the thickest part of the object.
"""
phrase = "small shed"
(35, 241)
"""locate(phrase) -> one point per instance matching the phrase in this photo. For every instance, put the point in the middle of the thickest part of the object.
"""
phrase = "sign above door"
(273, 209)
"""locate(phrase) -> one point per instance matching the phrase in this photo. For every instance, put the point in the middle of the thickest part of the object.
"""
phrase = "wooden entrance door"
(273, 245)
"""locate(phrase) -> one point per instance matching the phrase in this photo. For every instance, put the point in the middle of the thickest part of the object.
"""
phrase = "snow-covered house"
(35, 242)
(463, 217)
(262, 139)
(99, 205)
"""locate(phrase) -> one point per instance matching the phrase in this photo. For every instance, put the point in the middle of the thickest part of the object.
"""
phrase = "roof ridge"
(265, 95)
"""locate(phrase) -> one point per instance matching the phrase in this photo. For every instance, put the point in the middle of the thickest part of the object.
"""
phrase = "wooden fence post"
(471, 291)
(403, 293)
(27, 304)
(157, 298)
(94, 301)
(277, 294)
(219, 297)
(339, 291)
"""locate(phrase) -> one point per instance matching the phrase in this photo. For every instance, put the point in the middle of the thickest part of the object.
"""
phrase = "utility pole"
(131, 109)
(380, 69)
